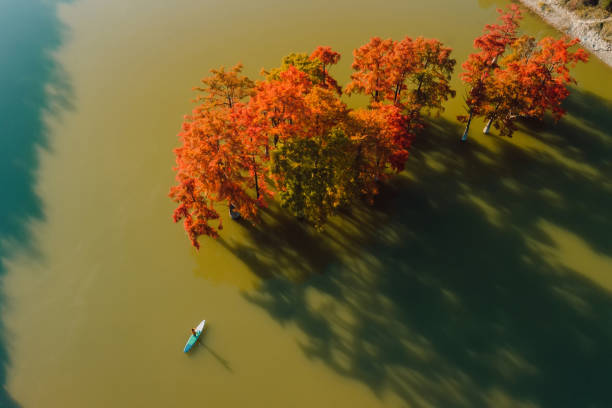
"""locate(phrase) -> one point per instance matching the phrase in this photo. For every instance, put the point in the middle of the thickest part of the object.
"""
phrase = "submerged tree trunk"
(256, 185)
(234, 215)
(488, 127)
(467, 128)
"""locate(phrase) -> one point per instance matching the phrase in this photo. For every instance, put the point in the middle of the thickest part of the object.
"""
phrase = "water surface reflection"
(32, 84)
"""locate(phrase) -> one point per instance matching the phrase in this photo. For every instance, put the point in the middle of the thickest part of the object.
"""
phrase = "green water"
(481, 277)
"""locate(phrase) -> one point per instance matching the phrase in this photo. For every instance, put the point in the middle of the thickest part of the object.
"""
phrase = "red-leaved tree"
(217, 159)
(292, 137)
(530, 81)
(327, 58)
(413, 75)
(477, 70)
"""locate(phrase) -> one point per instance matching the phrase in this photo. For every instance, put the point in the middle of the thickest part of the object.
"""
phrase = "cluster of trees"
(514, 77)
(290, 135)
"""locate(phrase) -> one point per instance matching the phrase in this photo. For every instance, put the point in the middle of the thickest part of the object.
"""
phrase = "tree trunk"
(397, 89)
(256, 185)
(467, 128)
(234, 215)
(488, 127)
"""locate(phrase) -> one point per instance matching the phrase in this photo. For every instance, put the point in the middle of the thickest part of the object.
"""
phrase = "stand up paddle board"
(193, 338)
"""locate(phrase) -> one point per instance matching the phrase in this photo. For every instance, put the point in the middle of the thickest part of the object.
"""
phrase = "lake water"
(481, 277)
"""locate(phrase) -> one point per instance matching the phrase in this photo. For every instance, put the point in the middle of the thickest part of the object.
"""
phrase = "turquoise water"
(29, 32)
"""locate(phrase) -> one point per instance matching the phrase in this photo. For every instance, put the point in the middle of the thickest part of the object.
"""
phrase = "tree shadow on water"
(475, 280)
(202, 344)
(32, 84)
(285, 247)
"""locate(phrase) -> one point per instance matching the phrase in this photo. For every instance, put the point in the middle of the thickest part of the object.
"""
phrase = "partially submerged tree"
(382, 140)
(530, 81)
(309, 146)
(372, 65)
(337, 155)
(413, 75)
(294, 132)
(421, 75)
(516, 77)
(280, 105)
(478, 67)
(216, 160)
(314, 175)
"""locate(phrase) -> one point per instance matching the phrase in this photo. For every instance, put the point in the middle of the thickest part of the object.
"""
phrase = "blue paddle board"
(193, 338)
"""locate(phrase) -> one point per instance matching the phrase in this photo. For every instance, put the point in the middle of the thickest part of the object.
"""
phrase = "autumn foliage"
(290, 136)
(514, 77)
(219, 159)
(411, 74)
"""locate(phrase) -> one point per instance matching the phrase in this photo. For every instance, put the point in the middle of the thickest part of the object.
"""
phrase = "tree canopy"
(290, 135)
(514, 77)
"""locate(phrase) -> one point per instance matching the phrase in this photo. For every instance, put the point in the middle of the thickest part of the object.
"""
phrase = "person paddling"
(193, 331)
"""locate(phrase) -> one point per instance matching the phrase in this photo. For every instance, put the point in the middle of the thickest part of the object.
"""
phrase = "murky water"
(482, 276)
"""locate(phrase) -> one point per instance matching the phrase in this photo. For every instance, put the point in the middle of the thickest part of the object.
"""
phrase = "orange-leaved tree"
(530, 81)
(217, 160)
(477, 70)
(292, 130)
(413, 75)
(310, 150)
(279, 104)
(327, 57)
(420, 78)
(382, 140)
(372, 65)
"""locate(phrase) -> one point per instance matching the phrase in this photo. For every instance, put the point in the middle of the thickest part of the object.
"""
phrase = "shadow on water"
(219, 359)
(31, 85)
(282, 252)
(478, 279)
(201, 343)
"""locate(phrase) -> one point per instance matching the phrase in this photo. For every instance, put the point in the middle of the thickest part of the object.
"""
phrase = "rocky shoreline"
(557, 15)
